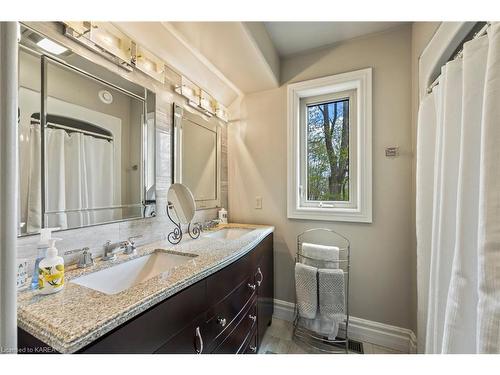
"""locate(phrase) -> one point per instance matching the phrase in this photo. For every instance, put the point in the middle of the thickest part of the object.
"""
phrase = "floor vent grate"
(356, 346)
(353, 345)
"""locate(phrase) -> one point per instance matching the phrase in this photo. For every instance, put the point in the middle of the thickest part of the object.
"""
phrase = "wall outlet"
(258, 202)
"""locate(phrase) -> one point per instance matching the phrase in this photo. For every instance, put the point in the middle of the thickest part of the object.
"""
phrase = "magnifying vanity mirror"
(86, 140)
(181, 203)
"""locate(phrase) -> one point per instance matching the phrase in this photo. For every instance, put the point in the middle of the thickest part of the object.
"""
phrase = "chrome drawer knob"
(251, 286)
(221, 321)
(253, 317)
(253, 349)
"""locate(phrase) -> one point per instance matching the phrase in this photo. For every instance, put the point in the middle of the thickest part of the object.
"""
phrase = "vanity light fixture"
(221, 112)
(103, 39)
(147, 62)
(207, 103)
(50, 46)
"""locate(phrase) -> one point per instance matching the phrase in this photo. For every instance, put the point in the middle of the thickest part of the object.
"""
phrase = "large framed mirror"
(86, 141)
(197, 155)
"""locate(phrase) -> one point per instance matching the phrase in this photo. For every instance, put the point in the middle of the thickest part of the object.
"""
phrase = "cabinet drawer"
(251, 345)
(221, 318)
(262, 249)
(236, 340)
(221, 283)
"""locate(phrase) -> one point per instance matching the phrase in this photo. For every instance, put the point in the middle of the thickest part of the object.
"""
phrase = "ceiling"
(295, 37)
(232, 59)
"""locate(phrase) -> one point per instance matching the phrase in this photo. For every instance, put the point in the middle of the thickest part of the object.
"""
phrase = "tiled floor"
(278, 340)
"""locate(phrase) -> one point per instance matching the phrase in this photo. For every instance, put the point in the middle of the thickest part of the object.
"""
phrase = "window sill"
(330, 214)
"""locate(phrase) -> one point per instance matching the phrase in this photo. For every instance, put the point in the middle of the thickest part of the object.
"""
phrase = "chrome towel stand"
(328, 237)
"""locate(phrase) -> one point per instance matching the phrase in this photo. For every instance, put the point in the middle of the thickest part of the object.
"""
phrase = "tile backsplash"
(151, 228)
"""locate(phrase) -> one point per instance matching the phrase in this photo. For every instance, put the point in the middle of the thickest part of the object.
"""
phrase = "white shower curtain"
(458, 204)
(79, 176)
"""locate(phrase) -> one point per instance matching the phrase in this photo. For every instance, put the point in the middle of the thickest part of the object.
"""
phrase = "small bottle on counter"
(223, 216)
(51, 271)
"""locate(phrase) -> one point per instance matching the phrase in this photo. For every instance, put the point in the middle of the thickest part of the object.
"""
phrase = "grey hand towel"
(331, 304)
(331, 288)
(306, 287)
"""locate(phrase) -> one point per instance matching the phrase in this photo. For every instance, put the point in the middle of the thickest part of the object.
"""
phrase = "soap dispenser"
(43, 245)
(51, 271)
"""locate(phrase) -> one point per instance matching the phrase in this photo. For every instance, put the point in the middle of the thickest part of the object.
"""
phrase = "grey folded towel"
(324, 256)
(306, 287)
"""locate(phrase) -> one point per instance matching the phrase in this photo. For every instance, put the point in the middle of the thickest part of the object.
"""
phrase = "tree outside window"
(328, 151)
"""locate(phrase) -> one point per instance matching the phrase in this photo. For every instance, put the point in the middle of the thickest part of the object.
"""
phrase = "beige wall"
(382, 260)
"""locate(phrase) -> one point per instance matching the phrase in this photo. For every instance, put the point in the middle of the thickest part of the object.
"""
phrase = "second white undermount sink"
(118, 278)
(228, 233)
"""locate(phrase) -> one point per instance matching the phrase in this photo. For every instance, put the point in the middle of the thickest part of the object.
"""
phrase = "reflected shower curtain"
(79, 176)
(458, 204)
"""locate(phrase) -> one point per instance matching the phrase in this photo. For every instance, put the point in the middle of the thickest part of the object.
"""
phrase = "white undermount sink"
(228, 233)
(118, 278)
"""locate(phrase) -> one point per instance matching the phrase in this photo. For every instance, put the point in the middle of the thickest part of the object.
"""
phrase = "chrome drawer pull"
(200, 339)
(253, 317)
(221, 321)
(261, 276)
(253, 349)
(251, 286)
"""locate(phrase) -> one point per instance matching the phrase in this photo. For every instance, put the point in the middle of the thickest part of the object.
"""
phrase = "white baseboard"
(392, 337)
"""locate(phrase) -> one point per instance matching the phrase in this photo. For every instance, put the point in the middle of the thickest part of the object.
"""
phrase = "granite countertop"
(76, 316)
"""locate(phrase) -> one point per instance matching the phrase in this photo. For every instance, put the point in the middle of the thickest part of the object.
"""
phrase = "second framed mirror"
(197, 155)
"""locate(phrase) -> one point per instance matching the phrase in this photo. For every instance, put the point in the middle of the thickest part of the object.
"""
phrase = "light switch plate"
(258, 202)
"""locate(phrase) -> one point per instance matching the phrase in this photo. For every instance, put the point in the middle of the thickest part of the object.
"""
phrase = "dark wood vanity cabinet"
(226, 313)
(265, 287)
(240, 307)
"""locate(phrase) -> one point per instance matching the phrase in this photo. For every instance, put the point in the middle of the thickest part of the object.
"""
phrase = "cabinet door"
(154, 327)
(265, 287)
(190, 340)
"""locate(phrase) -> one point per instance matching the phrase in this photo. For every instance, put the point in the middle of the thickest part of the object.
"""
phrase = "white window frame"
(359, 208)
(303, 192)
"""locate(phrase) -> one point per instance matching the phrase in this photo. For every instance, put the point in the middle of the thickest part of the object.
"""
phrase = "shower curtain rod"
(459, 52)
(72, 129)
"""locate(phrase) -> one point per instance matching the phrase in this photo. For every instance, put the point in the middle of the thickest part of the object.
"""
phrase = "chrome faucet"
(210, 224)
(112, 249)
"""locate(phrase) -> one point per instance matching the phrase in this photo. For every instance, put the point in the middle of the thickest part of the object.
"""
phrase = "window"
(329, 148)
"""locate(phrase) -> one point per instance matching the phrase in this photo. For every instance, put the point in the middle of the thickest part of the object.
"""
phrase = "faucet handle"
(85, 259)
(130, 247)
(132, 238)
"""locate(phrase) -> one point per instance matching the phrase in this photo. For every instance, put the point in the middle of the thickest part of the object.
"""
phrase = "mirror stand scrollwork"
(175, 236)
(194, 230)
(181, 201)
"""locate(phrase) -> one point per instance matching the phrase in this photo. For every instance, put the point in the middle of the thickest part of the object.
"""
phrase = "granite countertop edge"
(43, 333)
